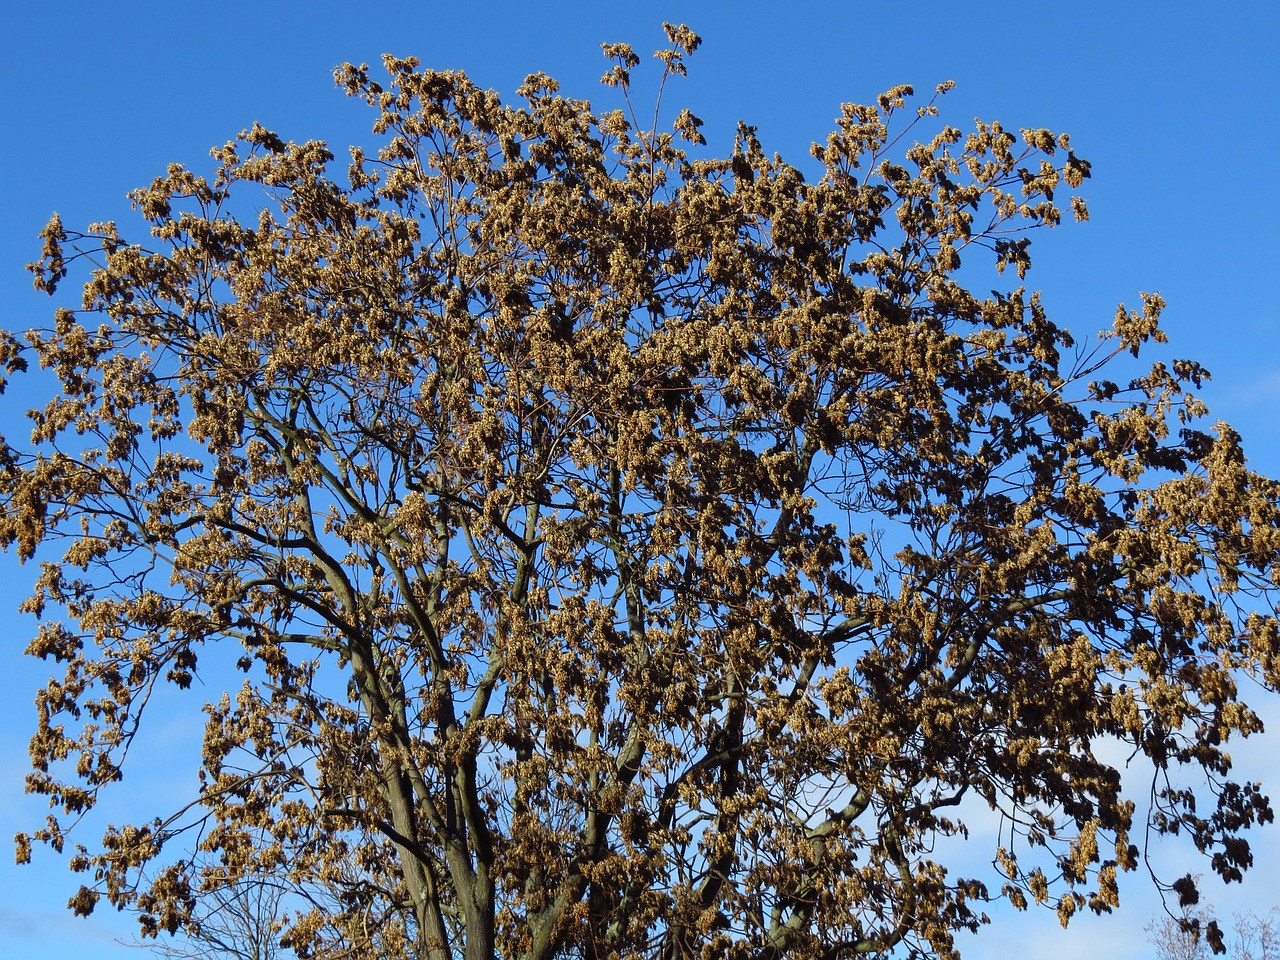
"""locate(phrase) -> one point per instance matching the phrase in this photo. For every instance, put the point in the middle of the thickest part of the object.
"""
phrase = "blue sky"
(1172, 102)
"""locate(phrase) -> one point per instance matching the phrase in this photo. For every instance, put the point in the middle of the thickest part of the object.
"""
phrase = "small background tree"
(1186, 937)
(233, 921)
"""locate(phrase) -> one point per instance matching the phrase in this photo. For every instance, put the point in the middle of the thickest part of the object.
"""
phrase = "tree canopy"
(628, 551)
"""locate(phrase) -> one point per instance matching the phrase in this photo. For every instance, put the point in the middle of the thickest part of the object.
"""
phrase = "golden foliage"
(627, 553)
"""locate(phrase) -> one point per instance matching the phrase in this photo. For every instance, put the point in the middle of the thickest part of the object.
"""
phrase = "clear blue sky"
(1173, 102)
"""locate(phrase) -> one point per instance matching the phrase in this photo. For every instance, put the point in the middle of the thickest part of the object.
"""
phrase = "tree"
(1183, 937)
(1257, 938)
(628, 551)
(240, 920)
